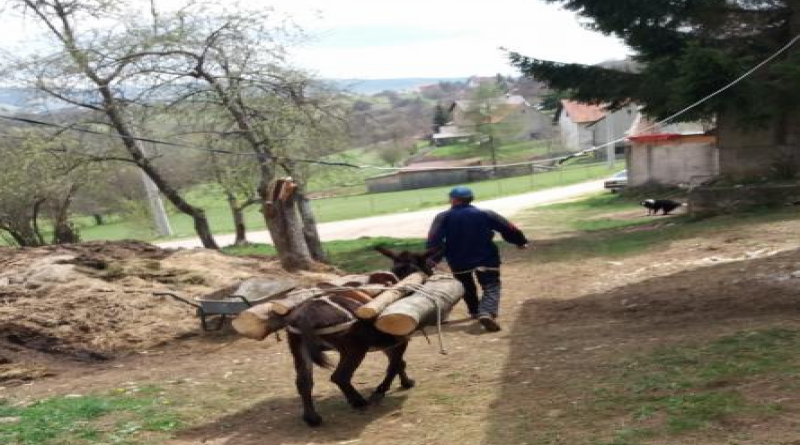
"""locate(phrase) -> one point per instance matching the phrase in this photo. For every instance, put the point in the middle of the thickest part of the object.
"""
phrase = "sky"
(374, 39)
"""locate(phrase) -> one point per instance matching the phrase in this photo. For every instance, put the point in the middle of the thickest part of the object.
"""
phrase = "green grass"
(120, 417)
(340, 208)
(693, 387)
(354, 256)
(515, 151)
(592, 228)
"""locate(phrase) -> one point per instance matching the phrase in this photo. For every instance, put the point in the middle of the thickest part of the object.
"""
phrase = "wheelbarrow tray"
(228, 306)
(250, 293)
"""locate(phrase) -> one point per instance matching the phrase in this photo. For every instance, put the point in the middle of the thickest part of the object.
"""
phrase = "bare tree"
(39, 180)
(234, 63)
(98, 63)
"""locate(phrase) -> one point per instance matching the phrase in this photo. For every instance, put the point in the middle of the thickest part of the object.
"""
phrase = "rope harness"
(477, 269)
(352, 319)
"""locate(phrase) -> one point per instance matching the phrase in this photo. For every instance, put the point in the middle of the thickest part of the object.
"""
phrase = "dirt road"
(589, 345)
(411, 224)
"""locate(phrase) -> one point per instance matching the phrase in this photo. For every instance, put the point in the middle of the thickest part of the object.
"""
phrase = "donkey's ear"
(387, 252)
(433, 251)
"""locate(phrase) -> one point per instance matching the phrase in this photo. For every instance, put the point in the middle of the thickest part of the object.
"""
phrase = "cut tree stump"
(396, 292)
(418, 309)
(258, 322)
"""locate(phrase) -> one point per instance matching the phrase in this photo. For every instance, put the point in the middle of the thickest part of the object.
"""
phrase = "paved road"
(412, 224)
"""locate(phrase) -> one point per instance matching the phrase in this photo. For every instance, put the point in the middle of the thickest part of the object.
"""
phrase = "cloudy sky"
(424, 38)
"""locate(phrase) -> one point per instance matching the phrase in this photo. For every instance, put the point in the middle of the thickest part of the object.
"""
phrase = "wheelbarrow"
(219, 308)
(249, 293)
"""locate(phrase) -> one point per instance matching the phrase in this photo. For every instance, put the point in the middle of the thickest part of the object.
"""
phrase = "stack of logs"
(398, 307)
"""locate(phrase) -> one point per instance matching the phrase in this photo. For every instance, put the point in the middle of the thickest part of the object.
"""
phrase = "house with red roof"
(583, 126)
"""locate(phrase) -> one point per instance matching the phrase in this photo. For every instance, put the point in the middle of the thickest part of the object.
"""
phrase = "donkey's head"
(405, 263)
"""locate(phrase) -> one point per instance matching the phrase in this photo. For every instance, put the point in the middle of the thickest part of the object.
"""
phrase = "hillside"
(372, 86)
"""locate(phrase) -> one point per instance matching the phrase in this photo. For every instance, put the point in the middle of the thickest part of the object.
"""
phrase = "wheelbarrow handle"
(176, 297)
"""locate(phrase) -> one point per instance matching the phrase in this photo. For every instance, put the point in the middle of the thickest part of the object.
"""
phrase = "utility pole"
(611, 150)
(155, 203)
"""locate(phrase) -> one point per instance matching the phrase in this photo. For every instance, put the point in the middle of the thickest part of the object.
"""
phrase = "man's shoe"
(489, 323)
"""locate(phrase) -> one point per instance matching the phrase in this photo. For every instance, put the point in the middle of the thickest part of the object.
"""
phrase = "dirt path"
(568, 325)
(411, 224)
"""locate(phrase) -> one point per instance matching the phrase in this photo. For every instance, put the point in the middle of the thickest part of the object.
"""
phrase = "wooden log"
(345, 281)
(294, 299)
(349, 286)
(258, 322)
(357, 295)
(396, 292)
(382, 277)
(418, 309)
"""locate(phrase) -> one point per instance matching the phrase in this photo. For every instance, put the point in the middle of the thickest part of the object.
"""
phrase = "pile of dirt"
(93, 300)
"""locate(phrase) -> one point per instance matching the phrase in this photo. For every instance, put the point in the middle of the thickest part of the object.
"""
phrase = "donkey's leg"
(397, 366)
(304, 379)
(350, 359)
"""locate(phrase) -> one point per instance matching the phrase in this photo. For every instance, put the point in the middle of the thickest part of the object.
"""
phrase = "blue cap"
(461, 192)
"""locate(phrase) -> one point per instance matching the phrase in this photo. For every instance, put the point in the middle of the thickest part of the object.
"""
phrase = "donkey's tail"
(313, 344)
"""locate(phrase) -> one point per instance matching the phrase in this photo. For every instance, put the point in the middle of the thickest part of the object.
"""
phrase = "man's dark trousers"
(489, 281)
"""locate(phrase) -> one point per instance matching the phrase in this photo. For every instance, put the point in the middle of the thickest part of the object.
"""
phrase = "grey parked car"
(617, 182)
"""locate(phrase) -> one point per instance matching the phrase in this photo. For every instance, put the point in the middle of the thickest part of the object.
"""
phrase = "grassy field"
(344, 207)
(111, 418)
(353, 256)
(516, 151)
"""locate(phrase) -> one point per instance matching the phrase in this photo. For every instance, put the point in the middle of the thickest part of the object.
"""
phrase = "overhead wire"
(542, 163)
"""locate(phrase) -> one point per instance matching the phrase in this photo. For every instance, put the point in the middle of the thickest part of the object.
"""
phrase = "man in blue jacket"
(466, 233)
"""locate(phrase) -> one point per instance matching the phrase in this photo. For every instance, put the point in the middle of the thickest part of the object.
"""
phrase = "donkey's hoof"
(312, 420)
(408, 384)
(359, 404)
(376, 397)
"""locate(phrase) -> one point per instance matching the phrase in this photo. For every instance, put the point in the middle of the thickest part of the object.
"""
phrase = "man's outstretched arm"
(510, 233)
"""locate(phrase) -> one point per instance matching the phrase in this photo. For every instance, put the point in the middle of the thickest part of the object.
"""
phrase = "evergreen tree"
(440, 117)
(686, 49)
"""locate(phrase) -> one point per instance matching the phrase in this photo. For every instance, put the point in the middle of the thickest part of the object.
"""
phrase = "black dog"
(665, 205)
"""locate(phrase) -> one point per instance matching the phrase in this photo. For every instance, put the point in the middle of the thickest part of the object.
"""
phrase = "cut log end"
(280, 308)
(257, 322)
(366, 312)
(250, 326)
(396, 324)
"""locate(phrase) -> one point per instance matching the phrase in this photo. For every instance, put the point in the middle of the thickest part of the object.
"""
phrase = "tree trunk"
(285, 226)
(98, 219)
(63, 231)
(198, 215)
(237, 212)
(310, 232)
(36, 233)
(134, 148)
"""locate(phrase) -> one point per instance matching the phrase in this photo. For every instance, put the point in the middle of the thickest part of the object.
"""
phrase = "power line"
(533, 163)
(672, 117)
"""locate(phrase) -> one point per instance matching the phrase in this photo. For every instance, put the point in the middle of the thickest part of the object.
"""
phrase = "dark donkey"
(330, 323)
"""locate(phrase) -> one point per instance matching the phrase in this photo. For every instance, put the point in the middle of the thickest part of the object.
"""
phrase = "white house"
(509, 118)
(584, 126)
